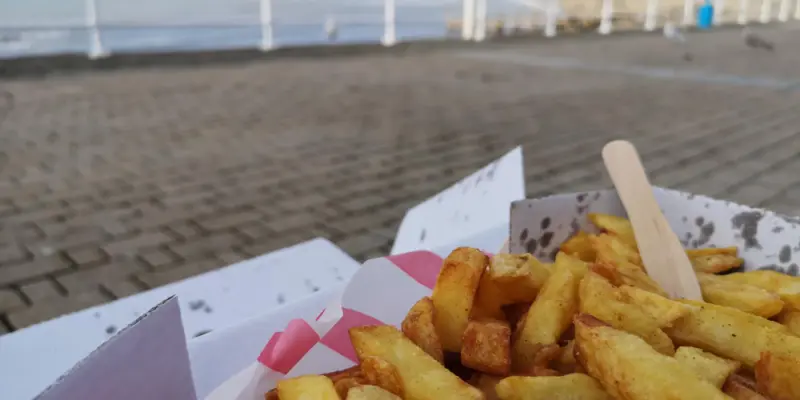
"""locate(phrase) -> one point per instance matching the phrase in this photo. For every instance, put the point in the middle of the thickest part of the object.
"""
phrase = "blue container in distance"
(705, 16)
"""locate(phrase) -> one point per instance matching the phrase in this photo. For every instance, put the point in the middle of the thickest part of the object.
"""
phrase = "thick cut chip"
(710, 367)
(713, 251)
(715, 263)
(487, 347)
(599, 298)
(307, 387)
(382, 373)
(621, 271)
(748, 298)
(345, 384)
(628, 368)
(791, 320)
(566, 362)
(567, 387)
(618, 226)
(662, 309)
(510, 278)
(579, 246)
(421, 375)
(454, 293)
(609, 247)
(785, 286)
(778, 376)
(549, 316)
(369, 392)
(418, 326)
(731, 333)
(574, 264)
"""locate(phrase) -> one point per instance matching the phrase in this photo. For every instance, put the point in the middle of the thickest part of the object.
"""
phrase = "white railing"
(474, 19)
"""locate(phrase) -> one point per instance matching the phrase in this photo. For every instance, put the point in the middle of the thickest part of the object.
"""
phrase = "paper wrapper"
(384, 289)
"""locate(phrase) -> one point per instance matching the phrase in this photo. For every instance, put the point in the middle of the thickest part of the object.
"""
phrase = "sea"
(44, 27)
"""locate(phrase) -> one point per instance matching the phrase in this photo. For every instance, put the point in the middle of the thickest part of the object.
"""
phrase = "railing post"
(551, 19)
(606, 15)
(744, 9)
(719, 8)
(265, 19)
(468, 20)
(480, 20)
(766, 11)
(95, 45)
(797, 9)
(783, 13)
(651, 14)
(389, 23)
(688, 12)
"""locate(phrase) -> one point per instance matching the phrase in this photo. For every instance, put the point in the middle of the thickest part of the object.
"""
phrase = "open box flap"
(765, 239)
(473, 205)
(146, 360)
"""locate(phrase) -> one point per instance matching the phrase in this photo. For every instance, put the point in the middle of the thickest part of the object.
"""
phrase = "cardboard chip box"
(383, 290)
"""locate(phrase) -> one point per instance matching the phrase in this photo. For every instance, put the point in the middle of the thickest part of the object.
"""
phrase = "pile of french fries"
(592, 325)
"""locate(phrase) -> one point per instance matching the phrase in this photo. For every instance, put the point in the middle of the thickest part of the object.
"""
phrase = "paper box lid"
(146, 360)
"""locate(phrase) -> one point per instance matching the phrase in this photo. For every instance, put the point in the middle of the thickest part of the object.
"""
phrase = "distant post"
(797, 10)
(468, 20)
(744, 8)
(606, 15)
(651, 14)
(95, 45)
(389, 23)
(551, 19)
(265, 19)
(783, 13)
(719, 8)
(766, 11)
(688, 12)
(481, 12)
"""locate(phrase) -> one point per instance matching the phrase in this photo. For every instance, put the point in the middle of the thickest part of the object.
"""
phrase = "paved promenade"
(115, 182)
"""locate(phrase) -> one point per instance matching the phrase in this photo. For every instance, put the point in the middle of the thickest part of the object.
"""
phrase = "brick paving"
(116, 182)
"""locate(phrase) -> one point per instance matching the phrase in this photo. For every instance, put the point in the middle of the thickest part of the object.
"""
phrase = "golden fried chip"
(307, 387)
(510, 278)
(791, 320)
(785, 286)
(622, 271)
(454, 293)
(610, 247)
(710, 367)
(486, 347)
(617, 226)
(566, 362)
(715, 263)
(579, 246)
(628, 368)
(567, 387)
(345, 384)
(369, 392)
(748, 298)
(599, 298)
(730, 333)
(418, 326)
(662, 309)
(421, 375)
(713, 251)
(549, 316)
(778, 376)
(382, 373)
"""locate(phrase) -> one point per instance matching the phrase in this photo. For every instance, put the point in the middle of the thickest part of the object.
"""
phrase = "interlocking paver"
(184, 170)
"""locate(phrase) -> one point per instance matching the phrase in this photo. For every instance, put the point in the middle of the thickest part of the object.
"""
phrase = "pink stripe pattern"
(422, 266)
(338, 338)
(285, 349)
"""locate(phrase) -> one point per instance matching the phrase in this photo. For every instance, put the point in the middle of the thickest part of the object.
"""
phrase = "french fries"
(748, 298)
(549, 316)
(418, 326)
(778, 375)
(593, 325)
(454, 293)
(487, 347)
(567, 387)
(369, 392)
(307, 387)
(715, 370)
(420, 375)
(628, 368)
(785, 286)
(510, 279)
